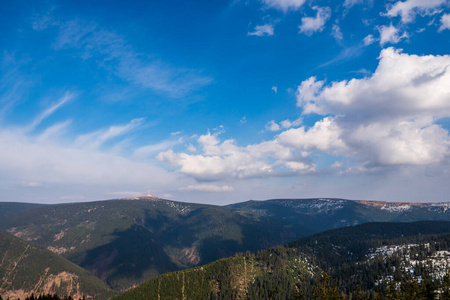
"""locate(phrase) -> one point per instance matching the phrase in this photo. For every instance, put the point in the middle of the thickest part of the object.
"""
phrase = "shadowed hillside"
(357, 262)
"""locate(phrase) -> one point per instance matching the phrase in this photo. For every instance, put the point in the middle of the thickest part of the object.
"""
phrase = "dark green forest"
(338, 264)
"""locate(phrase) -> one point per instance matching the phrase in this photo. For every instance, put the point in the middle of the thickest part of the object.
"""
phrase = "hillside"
(364, 261)
(27, 269)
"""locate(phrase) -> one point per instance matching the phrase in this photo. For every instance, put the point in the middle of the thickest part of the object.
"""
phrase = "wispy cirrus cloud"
(51, 158)
(114, 53)
(96, 139)
(50, 110)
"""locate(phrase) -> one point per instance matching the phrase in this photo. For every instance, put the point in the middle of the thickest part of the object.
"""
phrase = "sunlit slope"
(26, 268)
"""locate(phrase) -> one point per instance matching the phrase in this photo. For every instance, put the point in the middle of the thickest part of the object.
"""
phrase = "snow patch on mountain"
(394, 207)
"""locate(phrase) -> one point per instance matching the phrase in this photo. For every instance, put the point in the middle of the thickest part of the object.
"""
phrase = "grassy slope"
(27, 268)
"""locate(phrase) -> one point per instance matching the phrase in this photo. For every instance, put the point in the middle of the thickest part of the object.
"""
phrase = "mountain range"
(125, 242)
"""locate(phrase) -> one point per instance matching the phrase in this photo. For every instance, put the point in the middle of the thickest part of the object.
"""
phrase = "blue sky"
(225, 101)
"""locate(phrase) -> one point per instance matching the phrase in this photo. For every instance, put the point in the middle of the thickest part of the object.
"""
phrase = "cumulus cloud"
(218, 160)
(388, 118)
(324, 135)
(368, 40)
(445, 22)
(408, 9)
(224, 159)
(314, 24)
(390, 34)
(262, 30)
(288, 123)
(285, 124)
(207, 188)
(272, 126)
(284, 5)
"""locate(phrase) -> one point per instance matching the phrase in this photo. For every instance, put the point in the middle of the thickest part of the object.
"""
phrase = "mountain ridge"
(127, 241)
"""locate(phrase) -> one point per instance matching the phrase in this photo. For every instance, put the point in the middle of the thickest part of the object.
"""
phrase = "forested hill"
(358, 262)
(26, 268)
(12, 208)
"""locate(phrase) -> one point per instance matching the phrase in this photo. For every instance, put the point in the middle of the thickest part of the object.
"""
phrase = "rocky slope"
(26, 268)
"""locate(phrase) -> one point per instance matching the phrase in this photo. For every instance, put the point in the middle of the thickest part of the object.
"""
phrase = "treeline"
(45, 297)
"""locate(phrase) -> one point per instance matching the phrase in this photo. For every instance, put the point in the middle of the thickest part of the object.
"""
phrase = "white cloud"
(49, 111)
(385, 119)
(237, 164)
(368, 40)
(191, 148)
(388, 118)
(272, 126)
(313, 24)
(23, 158)
(288, 123)
(284, 5)
(98, 138)
(207, 188)
(350, 3)
(299, 166)
(324, 135)
(390, 34)
(445, 22)
(225, 160)
(275, 89)
(410, 8)
(401, 143)
(262, 30)
(337, 33)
